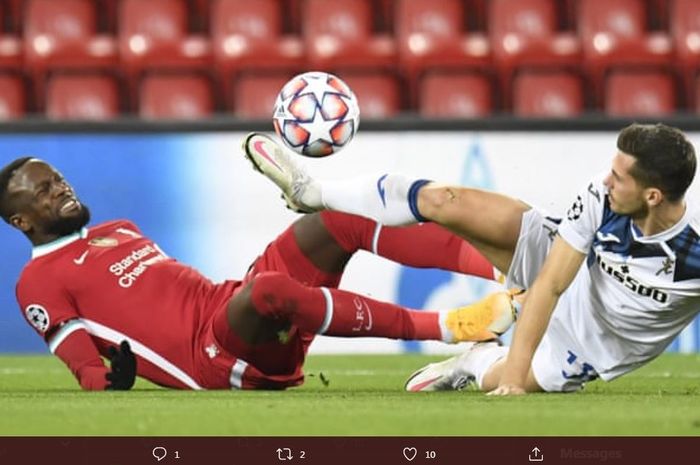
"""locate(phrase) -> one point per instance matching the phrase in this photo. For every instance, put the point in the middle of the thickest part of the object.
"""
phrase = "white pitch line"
(26, 371)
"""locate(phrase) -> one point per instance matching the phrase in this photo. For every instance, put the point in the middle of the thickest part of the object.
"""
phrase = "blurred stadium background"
(142, 104)
(191, 59)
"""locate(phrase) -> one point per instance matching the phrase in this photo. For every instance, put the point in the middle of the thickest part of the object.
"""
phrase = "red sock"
(338, 313)
(355, 315)
(424, 245)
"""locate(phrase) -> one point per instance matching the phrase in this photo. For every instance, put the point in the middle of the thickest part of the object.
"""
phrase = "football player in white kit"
(621, 269)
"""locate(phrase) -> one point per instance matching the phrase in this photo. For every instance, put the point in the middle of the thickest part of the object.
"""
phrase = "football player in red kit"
(109, 291)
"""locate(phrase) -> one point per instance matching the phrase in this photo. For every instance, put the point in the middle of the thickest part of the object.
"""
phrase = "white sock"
(445, 332)
(478, 360)
(389, 199)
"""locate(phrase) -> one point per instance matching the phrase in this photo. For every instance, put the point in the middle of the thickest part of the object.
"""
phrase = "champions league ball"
(316, 114)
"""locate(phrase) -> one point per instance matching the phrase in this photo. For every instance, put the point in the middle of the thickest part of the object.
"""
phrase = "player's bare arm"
(558, 272)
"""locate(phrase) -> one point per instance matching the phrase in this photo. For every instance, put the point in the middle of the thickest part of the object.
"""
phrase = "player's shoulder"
(596, 187)
(38, 274)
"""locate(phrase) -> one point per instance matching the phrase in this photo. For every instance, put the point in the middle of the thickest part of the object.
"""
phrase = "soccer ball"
(316, 114)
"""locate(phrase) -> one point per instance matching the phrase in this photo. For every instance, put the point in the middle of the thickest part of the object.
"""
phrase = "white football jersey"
(635, 293)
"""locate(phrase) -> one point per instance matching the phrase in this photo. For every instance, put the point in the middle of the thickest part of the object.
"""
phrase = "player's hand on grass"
(123, 373)
(507, 390)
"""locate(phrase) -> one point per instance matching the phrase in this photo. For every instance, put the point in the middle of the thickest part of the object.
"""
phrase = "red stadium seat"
(13, 99)
(378, 94)
(685, 30)
(11, 52)
(556, 94)
(254, 95)
(248, 35)
(524, 34)
(614, 35)
(63, 35)
(154, 34)
(455, 96)
(184, 97)
(640, 94)
(338, 34)
(82, 97)
(431, 35)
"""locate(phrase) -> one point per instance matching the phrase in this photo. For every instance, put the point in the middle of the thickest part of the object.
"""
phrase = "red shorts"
(273, 365)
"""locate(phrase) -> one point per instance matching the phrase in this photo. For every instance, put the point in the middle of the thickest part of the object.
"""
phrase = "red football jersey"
(116, 284)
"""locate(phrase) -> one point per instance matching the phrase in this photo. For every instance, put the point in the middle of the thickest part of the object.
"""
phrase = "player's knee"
(433, 199)
(269, 291)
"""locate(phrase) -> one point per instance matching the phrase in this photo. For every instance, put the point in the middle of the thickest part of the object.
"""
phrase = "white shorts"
(555, 365)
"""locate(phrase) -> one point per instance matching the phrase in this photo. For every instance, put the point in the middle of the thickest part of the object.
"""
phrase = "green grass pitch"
(364, 397)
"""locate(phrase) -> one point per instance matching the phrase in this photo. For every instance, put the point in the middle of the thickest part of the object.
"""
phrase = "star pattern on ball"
(319, 128)
(318, 85)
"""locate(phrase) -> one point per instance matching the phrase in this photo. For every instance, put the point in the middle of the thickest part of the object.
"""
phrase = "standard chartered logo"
(135, 264)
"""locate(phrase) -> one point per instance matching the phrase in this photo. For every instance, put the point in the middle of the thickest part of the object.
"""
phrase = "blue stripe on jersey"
(618, 231)
(686, 246)
(619, 227)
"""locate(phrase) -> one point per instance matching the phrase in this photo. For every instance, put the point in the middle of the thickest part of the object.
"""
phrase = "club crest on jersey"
(37, 317)
(576, 209)
(666, 266)
(104, 242)
(211, 350)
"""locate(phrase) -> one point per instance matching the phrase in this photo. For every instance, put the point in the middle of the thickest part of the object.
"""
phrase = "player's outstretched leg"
(489, 221)
(328, 239)
(381, 197)
(271, 298)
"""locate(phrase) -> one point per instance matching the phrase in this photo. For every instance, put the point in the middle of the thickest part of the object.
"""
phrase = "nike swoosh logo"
(258, 146)
(368, 327)
(381, 189)
(80, 260)
(607, 237)
(419, 387)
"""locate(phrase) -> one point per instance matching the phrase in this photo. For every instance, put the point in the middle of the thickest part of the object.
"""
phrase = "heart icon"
(410, 453)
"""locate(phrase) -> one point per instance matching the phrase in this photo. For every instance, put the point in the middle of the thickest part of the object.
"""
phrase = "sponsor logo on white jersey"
(622, 276)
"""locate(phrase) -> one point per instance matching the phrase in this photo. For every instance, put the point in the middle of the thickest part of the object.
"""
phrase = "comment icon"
(160, 452)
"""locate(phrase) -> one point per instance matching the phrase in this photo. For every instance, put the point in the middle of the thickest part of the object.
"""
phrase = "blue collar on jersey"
(49, 247)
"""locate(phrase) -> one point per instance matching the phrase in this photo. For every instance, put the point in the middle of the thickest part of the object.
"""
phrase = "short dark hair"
(665, 158)
(5, 175)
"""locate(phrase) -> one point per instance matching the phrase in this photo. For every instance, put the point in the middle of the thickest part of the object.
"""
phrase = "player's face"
(625, 193)
(45, 204)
